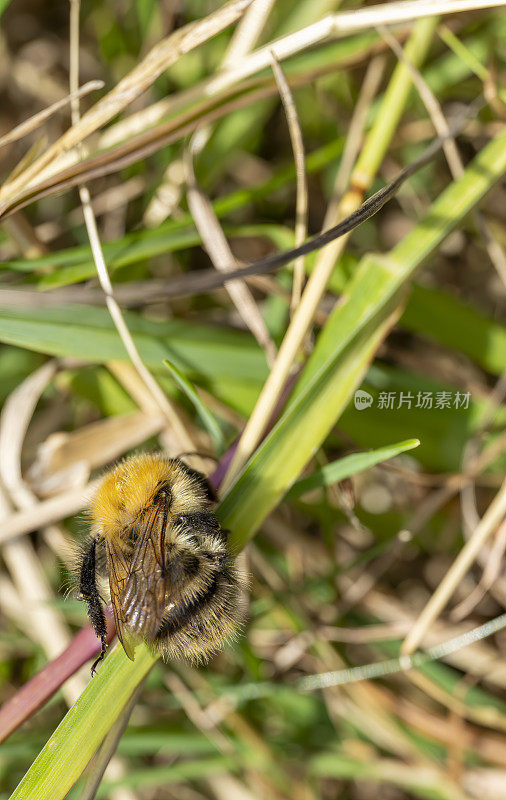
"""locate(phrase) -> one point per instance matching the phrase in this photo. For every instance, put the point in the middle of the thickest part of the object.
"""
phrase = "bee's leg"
(89, 593)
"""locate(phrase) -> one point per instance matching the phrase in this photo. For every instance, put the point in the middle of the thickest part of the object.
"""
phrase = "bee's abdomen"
(198, 624)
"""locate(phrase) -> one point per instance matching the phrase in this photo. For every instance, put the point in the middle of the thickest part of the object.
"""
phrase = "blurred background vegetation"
(339, 573)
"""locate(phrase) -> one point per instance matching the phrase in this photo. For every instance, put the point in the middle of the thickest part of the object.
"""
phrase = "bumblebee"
(171, 578)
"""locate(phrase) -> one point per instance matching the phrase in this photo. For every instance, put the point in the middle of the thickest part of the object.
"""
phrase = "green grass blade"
(438, 315)
(277, 463)
(424, 783)
(208, 420)
(68, 751)
(88, 333)
(379, 277)
(349, 465)
(3, 6)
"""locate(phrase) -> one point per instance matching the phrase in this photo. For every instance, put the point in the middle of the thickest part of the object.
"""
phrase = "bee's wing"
(139, 584)
(118, 570)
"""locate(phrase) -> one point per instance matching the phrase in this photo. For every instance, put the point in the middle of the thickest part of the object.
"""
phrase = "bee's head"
(129, 492)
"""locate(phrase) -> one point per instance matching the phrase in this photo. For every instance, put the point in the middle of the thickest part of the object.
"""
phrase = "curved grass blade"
(349, 465)
(70, 748)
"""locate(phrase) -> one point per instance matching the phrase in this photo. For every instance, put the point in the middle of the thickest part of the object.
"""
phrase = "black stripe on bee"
(183, 567)
(182, 615)
(203, 522)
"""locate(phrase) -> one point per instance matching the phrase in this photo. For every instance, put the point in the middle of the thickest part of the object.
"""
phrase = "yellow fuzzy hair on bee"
(130, 487)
